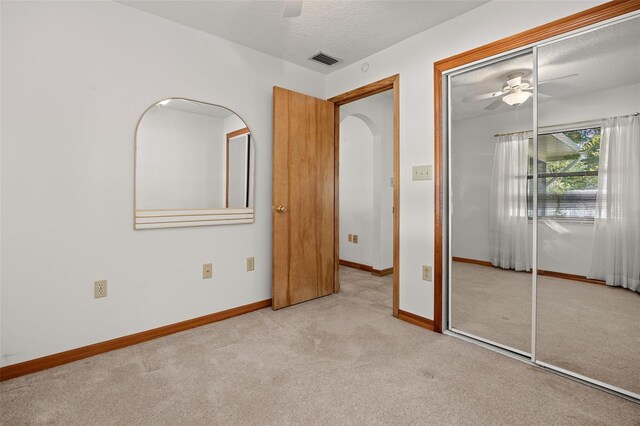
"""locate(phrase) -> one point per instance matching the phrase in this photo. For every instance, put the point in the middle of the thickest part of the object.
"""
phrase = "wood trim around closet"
(61, 358)
(389, 83)
(573, 22)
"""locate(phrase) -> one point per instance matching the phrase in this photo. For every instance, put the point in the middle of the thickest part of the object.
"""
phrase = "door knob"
(280, 209)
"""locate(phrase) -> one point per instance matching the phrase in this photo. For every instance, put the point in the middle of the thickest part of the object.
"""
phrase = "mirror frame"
(182, 218)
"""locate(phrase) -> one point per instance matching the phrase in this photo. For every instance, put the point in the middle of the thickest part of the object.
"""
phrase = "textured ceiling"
(346, 29)
(603, 59)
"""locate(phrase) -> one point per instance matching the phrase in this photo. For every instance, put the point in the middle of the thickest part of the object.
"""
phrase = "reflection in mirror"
(574, 181)
(194, 166)
(237, 177)
(491, 236)
(588, 311)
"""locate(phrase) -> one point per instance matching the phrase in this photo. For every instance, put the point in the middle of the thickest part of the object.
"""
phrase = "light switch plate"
(350, 238)
(423, 172)
(251, 263)
(426, 273)
(355, 239)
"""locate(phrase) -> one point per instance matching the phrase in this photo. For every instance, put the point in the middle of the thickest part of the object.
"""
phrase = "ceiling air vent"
(324, 59)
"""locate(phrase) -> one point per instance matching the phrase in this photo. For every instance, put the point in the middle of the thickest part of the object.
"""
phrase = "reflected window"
(568, 165)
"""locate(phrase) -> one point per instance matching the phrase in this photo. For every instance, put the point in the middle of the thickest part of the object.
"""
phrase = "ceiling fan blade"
(292, 8)
(483, 96)
(558, 78)
(540, 94)
(493, 105)
(514, 81)
(479, 97)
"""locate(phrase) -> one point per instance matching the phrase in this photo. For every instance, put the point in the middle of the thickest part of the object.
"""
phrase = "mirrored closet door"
(543, 190)
(491, 238)
(588, 307)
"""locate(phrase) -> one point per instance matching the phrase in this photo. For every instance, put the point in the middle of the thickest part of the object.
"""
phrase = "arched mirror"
(193, 166)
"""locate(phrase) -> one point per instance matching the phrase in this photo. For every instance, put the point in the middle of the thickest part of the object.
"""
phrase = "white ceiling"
(603, 59)
(346, 29)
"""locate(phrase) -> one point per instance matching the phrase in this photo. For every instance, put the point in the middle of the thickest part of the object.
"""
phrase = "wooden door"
(303, 198)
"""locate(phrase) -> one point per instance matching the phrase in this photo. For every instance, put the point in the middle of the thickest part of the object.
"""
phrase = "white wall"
(178, 162)
(564, 246)
(75, 79)
(356, 190)
(376, 112)
(413, 59)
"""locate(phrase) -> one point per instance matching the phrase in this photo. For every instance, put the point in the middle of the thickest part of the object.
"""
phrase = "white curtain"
(510, 236)
(616, 252)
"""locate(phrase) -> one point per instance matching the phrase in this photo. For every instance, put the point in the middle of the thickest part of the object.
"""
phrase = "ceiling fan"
(515, 91)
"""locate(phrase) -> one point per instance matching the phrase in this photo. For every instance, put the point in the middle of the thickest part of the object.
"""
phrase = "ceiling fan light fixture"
(516, 98)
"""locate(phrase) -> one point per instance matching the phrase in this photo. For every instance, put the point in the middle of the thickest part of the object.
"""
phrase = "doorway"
(306, 195)
(370, 192)
(366, 196)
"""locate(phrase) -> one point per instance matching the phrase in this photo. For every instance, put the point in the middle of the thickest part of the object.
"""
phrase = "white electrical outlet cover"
(100, 289)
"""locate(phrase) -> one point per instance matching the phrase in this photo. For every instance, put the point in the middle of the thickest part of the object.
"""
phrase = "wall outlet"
(350, 238)
(207, 271)
(423, 172)
(251, 263)
(100, 289)
(426, 273)
(355, 239)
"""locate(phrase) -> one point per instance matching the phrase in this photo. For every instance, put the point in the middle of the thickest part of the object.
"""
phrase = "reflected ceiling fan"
(515, 91)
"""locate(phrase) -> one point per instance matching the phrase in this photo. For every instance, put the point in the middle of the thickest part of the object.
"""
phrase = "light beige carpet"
(341, 359)
(590, 329)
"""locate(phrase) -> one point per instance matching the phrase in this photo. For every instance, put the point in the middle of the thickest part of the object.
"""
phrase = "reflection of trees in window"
(567, 174)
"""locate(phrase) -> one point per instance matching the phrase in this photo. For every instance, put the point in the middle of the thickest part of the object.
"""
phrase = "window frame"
(542, 175)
